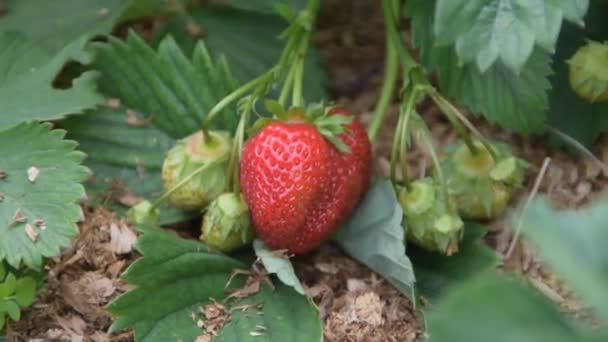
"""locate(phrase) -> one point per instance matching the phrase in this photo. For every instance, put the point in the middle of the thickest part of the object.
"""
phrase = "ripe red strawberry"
(360, 155)
(350, 178)
(308, 206)
(284, 169)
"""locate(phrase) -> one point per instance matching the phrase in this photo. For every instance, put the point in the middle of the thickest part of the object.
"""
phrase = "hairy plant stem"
(396, 55)
(234, 183)
(447, 109)
(386, 93)
(388, 87)
(395, 149)
(428, 141)
(298, 77)
(261, 80)
(287, 87)
(402, 135)
(296, 47)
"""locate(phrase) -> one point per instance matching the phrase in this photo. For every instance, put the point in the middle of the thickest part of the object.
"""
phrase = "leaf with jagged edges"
(176, 278)
(502, 309)
(37, 39)
(374, 236)
(516, 101)
(228, 33)
(484, 32)
(573, 243)
(172, 91)
(131, 157)
(39, 185)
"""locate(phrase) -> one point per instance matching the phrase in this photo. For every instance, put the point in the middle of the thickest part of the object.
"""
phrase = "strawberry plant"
(213, 119)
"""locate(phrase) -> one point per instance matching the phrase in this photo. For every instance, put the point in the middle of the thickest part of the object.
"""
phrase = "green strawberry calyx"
(316, 114)
(419, 198)
(143, 213)
(207, 148)
(194, 170)
(226, 225)
(473, 164)
(431, 220)
(482, 183)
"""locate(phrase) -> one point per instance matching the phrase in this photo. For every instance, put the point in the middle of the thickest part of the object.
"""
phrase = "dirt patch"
(80, 283)
(355, 303)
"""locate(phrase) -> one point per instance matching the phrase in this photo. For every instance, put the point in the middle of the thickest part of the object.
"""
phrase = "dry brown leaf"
(31, 233)
(122, 238)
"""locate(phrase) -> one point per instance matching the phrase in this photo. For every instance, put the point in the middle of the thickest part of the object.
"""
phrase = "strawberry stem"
(186, 179)
(235, 155)
(428, 141)
(396, 55)
(287, 86)
(403, 143)
(298, 82)
(260, 81)
(401, 137)
(386, 93)
(447, 110)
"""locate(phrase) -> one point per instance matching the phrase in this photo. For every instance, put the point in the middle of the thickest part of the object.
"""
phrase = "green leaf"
(29, 94)
(37, 40)
(46, 202)
(285, 316)
(12, 309)
(8, 286)
(573, 242)
(131, 156)
(268, 6)
(516, 101)
(146, 8)
(26, 291)
(249, 41)
(569, 113)
(175, 278)
(174, 92)
(500, 309)
(172, 279)
(54, 25)
(374, 236)
(507, 30)
(278, 265)
(436, 274)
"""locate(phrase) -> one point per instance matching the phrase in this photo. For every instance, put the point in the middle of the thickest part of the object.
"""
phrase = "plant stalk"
(386, 93)
(235, 95)
(202, 168)
(447, 109)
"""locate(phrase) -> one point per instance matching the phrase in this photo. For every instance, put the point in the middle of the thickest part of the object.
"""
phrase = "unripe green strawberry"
(186, 157)
(143, 213)
(226, 224)
(589, 71)
(480, 185)
(431, 221)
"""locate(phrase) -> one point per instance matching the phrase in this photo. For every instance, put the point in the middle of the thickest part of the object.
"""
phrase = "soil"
(355, 303)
